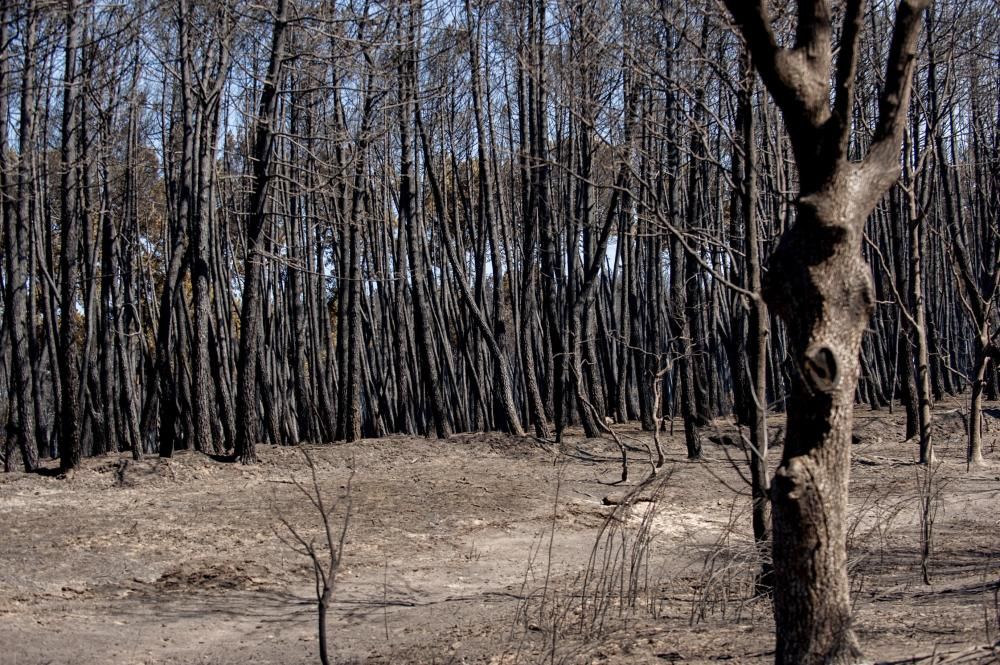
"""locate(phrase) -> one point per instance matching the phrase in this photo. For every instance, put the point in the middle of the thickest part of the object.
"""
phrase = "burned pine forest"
(654, 238)
(226, 224)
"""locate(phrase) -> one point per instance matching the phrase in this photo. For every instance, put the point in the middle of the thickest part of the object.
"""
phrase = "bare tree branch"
(847, 65)
(895, 98)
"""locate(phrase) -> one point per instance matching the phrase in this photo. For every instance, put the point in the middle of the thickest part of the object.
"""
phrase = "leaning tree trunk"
(506, 415)
(250, 315)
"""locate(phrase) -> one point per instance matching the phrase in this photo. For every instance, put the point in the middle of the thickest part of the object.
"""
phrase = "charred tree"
(820, 286)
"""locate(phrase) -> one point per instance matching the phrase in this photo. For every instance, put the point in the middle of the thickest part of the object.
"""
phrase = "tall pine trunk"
(250, 308)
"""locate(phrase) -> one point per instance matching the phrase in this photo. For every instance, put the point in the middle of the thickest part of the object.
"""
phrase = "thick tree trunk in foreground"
(822, 289)
(819, 284)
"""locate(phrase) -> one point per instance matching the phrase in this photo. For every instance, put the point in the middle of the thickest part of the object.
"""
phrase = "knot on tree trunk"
(821, 368)
(791, 480)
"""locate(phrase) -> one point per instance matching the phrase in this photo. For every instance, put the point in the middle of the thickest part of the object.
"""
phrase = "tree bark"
(820, 286)
(410, 217)
(250, 314)
(758, 335)
(17, 248)
(69, 370)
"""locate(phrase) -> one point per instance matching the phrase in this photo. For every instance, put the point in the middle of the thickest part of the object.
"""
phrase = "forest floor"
(477, 550)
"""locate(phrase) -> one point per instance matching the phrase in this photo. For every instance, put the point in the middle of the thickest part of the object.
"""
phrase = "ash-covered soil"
(480, 549)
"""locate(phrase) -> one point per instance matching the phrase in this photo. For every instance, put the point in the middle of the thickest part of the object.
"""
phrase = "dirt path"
(460, 552)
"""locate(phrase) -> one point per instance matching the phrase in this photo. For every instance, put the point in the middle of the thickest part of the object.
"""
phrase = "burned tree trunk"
(410, 218)
(755, 385)
(69, 266)
(250, 315)
(820, 286)
(17, 249)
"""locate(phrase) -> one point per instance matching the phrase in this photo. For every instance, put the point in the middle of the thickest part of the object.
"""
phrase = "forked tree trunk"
(819, 284)
(979, 280)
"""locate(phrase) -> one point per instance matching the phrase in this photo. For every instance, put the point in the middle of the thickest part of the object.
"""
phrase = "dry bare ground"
(482, 549)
